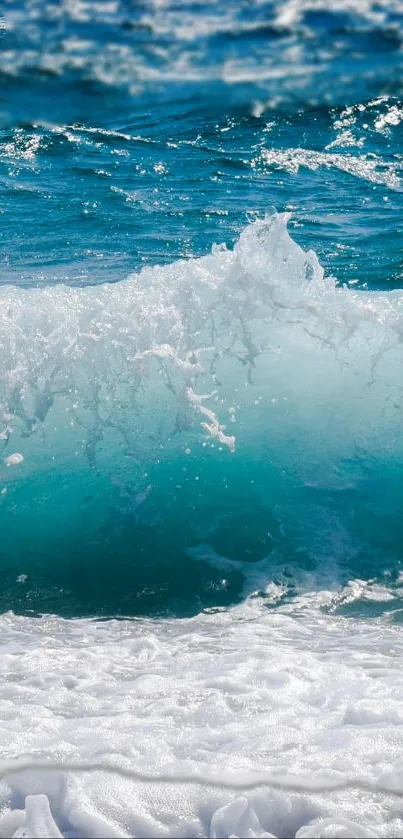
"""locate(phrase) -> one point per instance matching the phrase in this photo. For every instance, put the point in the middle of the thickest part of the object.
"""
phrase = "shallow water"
(200, 417)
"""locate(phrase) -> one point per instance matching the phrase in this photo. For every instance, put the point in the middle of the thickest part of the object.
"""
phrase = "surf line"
(285, 783)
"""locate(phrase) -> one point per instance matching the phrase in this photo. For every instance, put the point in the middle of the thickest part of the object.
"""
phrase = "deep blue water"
(138, 135)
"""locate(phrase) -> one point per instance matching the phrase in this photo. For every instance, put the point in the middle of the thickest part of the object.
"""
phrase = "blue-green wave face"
(198, 431)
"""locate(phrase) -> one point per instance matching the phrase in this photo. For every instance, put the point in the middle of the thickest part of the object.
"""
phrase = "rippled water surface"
(136, 134)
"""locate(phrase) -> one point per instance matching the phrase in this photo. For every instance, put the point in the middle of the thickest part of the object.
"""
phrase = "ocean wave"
(113, 45)
(370, 168)
(244, 387)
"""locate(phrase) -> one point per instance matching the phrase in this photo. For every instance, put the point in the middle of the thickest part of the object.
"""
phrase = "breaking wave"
(239, 408)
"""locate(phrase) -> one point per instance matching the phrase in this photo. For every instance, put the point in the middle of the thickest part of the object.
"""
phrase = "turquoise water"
(191, 408)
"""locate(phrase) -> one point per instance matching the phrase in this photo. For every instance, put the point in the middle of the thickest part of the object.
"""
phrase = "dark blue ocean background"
(138, 135)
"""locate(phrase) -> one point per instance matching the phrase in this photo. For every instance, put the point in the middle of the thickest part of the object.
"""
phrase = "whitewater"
(299, 713)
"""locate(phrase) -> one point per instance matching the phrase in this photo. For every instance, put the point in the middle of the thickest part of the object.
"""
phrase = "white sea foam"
(240, 697)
